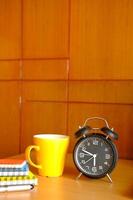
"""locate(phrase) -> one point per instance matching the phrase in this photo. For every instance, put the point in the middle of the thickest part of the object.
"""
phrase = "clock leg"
(80, 174)
(109, 178)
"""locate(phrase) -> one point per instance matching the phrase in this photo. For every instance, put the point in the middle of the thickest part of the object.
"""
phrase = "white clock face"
(95, 156)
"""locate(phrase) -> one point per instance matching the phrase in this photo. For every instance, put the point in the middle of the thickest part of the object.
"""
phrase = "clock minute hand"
(87, 152)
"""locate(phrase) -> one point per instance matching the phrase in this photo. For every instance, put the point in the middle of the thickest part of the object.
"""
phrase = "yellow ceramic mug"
(51, 152)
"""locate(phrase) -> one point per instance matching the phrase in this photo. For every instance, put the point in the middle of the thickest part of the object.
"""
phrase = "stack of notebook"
(15, 175)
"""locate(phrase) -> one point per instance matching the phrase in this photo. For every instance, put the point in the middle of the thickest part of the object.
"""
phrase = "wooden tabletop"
(67, 187)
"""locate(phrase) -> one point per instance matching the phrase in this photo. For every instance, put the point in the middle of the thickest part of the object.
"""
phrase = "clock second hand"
(88, 160)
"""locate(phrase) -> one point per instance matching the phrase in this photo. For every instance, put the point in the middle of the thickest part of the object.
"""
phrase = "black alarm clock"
(95, 154)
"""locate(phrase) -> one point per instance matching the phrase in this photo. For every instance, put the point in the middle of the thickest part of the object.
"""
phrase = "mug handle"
(28, 157)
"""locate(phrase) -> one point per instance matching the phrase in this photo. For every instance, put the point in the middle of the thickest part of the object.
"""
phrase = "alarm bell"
(85, 130)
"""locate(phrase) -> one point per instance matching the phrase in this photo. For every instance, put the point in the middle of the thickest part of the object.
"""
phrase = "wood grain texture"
(42, 117)
(9, 70)
(44, 91)
(119, 117)
(101, 73)
(9, 118)
(116, 92)
(42, 109)
(101, 39)
(45, 69)
(73, 60)
(10, 31)
(45, 28)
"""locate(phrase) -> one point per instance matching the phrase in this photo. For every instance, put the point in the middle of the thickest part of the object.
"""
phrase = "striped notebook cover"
(19, 180)
(12, 163)
(14, 171)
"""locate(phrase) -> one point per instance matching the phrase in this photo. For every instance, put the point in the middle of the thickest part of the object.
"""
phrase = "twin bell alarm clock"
(95, 154)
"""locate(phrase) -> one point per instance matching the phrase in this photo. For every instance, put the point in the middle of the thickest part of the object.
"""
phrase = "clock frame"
(95, 154)
(103, 166)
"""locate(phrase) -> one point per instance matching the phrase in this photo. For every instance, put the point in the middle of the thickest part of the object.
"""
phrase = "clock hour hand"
(87, 152)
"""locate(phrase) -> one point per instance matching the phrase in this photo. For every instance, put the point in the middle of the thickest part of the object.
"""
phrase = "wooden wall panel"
(40, 36)
(10, 31)
(42, 117)
(9, 70)
(101, 91)
(10, 53)
(45, 69)
(45, 28)
(44, 109)
(9, 118)
(120, 117)
(101, 59)
(44, 91)
(101, 39)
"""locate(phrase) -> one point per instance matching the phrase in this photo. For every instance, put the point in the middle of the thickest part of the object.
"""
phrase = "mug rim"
(50, 136)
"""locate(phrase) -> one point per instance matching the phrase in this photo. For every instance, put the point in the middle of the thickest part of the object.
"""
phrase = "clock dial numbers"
(95, 142)
(94, 156)
(100, 167)
(81, 155)
(94, 169)
(107, 156)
